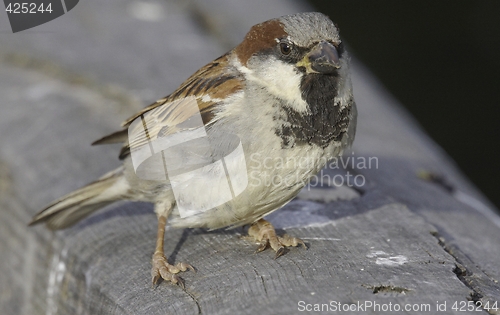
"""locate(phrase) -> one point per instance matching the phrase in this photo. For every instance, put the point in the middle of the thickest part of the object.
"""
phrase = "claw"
(179, 281)
(281, 251)
(265, 235)
(263, 246)
(163, 270)
(184, 266)
(288, 240)
(155, 280)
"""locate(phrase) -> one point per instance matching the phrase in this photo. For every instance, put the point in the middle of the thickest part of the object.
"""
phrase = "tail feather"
(76, 205)
(120, 136)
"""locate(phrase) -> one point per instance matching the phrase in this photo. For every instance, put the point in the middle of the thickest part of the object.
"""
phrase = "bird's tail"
(80, 203)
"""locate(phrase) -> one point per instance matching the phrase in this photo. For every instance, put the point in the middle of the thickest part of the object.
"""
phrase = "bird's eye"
(285, 48)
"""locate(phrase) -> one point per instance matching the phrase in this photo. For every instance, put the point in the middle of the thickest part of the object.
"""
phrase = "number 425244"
(28, 8)
(474, 306)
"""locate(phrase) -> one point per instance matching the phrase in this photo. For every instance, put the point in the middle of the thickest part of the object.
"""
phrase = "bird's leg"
(263, 232)
(161, 268)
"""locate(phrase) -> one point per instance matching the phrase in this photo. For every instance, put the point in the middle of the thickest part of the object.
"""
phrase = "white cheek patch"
(281, 80)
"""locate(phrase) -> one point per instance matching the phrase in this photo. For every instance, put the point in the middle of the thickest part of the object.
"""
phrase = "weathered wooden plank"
(396, 238)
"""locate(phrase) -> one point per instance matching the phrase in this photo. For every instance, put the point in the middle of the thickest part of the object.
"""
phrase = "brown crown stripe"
(260, 37)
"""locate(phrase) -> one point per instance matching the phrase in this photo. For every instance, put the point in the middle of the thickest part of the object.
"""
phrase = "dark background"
(441, 59)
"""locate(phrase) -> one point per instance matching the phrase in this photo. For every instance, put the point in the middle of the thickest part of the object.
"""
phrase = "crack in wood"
(465, 275)
(191, 295)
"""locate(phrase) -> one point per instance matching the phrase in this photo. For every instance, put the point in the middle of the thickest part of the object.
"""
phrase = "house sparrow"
(282, 100)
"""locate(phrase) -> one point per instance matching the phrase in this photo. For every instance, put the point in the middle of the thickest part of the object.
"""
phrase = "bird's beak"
(323, 58)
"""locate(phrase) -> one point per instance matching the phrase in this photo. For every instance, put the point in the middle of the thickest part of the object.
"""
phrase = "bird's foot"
(163, 270)
(263, 233)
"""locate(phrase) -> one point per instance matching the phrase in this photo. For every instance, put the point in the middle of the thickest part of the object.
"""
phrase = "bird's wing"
(198, 96)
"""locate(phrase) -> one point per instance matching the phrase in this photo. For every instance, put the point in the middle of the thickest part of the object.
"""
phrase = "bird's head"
(297, 58)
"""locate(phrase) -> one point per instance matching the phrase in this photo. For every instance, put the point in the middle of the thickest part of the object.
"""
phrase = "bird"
(236, 141)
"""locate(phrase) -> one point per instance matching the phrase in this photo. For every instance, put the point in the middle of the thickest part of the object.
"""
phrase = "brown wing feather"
(119, 136)
(208, 80)
(213, 80)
